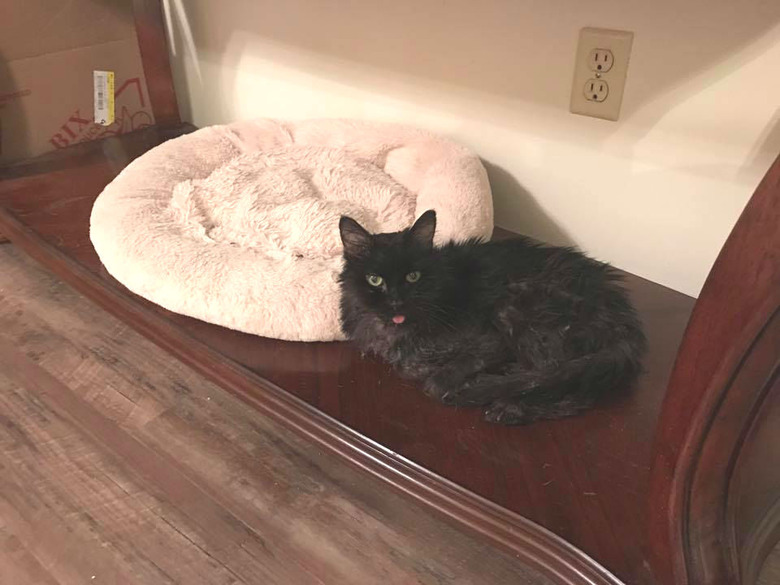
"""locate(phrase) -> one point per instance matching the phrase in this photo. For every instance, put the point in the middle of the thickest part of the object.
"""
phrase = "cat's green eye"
(413, 276)
(374, 279)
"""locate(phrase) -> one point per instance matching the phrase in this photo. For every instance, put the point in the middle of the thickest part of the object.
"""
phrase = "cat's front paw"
(450, 395)
(507, 413)
(469, 393)
(433, 389)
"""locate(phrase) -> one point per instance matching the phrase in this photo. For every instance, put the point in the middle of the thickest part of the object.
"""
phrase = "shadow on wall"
(514, 48)
(765, 150)
(514, 200)
(468, 60)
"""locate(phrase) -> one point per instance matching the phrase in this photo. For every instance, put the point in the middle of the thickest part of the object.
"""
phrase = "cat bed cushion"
(238, 225)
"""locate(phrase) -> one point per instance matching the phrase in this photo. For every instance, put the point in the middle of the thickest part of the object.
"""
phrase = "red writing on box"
(131, 116)
(15, 95)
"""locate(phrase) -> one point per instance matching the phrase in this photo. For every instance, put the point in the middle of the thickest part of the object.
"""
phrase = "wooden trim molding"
(725, 370)
(761, 542)
(712, 552)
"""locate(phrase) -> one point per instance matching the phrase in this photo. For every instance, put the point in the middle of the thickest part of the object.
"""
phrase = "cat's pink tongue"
(398, 319)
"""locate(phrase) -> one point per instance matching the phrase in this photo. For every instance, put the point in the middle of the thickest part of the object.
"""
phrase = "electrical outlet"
(600, 72)
(596, 90)
(601, 60)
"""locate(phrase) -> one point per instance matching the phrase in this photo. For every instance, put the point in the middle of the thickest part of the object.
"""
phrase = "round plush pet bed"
(238, 225)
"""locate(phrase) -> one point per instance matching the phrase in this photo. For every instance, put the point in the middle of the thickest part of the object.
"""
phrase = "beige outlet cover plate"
(618, 42)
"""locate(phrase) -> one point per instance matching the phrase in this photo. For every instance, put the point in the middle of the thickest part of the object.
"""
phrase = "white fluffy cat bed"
(238, 225)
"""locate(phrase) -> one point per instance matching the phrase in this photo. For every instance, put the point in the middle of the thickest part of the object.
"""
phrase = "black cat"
(528, 331)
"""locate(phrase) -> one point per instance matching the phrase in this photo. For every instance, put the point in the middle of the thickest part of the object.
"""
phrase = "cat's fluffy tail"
(566, 389)
(571, 388)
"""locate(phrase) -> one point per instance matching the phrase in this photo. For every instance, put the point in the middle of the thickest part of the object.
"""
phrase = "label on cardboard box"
(48, 61)
(104, 97)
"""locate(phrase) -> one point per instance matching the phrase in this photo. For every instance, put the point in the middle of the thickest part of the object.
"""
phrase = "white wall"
(656, 193)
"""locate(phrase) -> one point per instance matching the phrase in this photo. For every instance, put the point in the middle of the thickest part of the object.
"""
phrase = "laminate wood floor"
(119, 465)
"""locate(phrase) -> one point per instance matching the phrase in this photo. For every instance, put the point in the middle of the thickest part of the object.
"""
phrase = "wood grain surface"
(121, 465)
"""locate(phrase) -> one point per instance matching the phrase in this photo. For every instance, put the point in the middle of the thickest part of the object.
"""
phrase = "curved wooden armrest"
(713, 507)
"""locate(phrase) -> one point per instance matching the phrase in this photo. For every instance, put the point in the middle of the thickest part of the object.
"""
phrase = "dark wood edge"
(153, 45)
(708, 496)
(515, 534)
(735, 306)
(760, 544)
(764, 536)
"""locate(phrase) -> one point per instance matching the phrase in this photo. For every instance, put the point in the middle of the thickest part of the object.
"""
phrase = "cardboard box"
(48, 52)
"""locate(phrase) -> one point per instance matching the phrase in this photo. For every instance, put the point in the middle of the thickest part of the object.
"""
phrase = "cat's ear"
(356, 240)
(423, 229)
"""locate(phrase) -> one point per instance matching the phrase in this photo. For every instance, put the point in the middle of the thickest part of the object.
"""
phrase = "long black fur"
(526, 331)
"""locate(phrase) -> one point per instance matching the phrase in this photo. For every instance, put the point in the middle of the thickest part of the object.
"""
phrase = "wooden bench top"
(584, 479)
